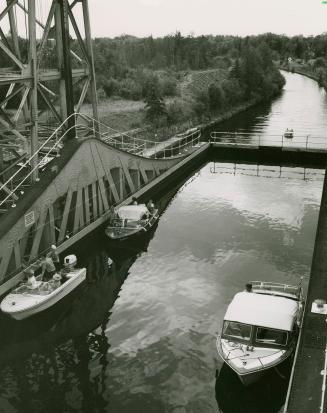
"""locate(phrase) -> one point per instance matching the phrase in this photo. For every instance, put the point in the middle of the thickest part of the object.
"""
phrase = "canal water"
(139, 335)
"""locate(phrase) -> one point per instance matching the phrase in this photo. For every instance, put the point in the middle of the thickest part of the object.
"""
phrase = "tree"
(216, 96)
(155, 106)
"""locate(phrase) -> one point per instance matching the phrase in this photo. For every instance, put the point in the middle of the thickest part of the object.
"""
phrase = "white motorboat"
(260, 328)
(130, 220)
(28, 299)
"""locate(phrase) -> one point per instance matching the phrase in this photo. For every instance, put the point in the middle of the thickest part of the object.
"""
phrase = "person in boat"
(145, 216)
(134, 200)
(56, 281)
(31, 280)
(248, 288)
(48, 268)
(53, 254)
(150, 206)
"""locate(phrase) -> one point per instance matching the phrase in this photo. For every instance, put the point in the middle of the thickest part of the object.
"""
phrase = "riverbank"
(203, 99)
(301, 71)
(123, 115)
(229, 114)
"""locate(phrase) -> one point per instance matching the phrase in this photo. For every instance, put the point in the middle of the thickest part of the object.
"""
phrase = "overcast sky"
(238, 17)
(110, 18)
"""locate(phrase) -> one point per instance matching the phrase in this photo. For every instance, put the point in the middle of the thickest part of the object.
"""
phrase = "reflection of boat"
(27, 300)
(266, 396)
(289, 133)
(260, 328)
(130, 220)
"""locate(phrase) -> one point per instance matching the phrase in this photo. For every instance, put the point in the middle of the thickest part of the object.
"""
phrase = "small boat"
(31, 298)
(130, 220)
(260, 328)
(289, 133)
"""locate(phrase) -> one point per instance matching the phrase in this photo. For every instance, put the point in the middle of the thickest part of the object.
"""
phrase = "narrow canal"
(139, 337)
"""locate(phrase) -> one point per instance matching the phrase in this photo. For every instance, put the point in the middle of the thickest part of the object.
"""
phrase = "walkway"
(306, 392)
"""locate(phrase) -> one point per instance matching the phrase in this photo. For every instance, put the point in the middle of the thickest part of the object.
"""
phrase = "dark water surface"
(140, 337)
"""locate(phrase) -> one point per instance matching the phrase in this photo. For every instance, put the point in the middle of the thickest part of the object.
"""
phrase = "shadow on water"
(267, 395)
(58, 361)
(242, 122)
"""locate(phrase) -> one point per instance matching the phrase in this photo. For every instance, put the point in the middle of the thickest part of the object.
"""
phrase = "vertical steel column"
(88, 38)
(32, 59)
(14, 37)
(60, 55)
(67, 69)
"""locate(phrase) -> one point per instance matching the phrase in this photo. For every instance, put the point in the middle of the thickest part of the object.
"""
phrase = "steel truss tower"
(46, 62)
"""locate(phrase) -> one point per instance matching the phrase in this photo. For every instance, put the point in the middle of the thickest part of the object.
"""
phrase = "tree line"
(152, 69)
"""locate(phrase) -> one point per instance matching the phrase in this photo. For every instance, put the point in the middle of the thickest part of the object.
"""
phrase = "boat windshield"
(270, 336)
(234, 329)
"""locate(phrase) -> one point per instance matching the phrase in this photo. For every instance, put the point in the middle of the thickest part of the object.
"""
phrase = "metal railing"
(304, 142)
(143, 147)
(242, 347)
(121, 140)
(274, 287)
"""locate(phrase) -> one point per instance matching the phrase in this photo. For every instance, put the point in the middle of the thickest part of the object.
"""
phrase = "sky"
(110, 18)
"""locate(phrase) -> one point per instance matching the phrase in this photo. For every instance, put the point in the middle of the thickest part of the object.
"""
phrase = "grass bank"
(128, 115)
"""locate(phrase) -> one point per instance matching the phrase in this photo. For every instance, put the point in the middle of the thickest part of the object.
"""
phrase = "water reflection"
(302, 106)
(58, 361)
(267, 395)
(139, 335)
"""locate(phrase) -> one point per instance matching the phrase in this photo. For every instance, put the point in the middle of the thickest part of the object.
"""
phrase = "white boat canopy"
(262, 310)
(132, 212)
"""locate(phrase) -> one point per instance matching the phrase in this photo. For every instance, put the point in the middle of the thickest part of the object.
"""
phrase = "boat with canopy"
(260, 328)
(130, 220)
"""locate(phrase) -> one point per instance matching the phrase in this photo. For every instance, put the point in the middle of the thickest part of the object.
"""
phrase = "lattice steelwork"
(46, 62)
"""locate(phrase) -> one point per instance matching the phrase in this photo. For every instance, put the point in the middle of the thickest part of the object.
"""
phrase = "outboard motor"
(69, 263)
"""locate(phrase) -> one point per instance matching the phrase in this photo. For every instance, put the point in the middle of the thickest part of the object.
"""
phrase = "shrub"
(216, 96)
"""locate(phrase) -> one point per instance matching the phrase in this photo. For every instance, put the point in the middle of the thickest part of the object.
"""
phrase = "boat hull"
(123, 233)
(251, 378)
(34, 304)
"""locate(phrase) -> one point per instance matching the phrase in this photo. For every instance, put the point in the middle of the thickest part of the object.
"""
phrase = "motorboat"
(289, 133)
(260, 328)
(130, 220)
(32, 297)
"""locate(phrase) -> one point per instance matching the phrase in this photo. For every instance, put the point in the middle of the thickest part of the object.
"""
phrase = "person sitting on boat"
(48, 268)
(248, 288)
(56, 281)
(150, 206)
(31, 280)
(144, 218)
(134, 200)
(112, 213)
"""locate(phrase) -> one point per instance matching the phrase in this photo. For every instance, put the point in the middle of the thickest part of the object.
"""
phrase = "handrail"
(32, 170)
(27, 162)
(261, 140)
(96, 132)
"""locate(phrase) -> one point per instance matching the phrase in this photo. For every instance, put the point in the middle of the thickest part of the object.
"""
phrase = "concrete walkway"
(306, 392)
